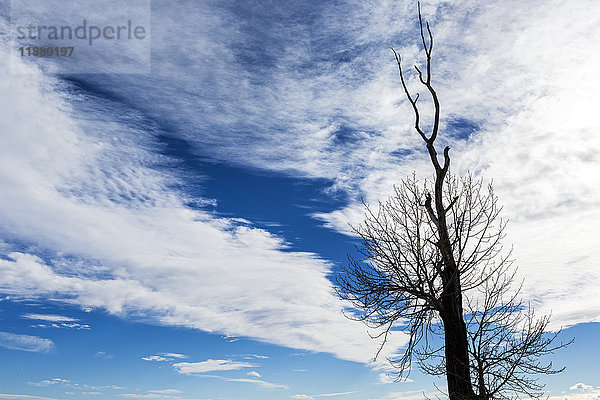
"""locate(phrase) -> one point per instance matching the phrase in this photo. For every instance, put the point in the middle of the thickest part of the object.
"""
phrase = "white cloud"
(115, 226)
(251, 356)
(72, 325)
(387, 378)
(155, 358)
(534, 115)
(581, 386)
(92, 192)
(408, 395)
(263, 384)
(48, 382)
(85, 327)
(69, 383)
(220, 365)
(332, 394)
(535, 119)
(210, 365)
(311, 397)
(585, 394)
(174, 355)
(23, 397)
(103, 355)
(166, 391)
(49, 317)
(25, 342)
(254, 374)
(165, 357)
(156, 394)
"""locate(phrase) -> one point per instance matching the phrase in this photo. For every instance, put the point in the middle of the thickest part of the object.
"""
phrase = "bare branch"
(409, 97)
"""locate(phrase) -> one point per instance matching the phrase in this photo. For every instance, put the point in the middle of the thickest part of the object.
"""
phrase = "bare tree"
(432, 265)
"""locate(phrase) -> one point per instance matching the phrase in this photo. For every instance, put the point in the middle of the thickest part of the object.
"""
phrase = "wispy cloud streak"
(29, 343)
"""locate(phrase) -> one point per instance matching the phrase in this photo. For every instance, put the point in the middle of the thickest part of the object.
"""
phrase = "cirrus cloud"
(187, 368)
(29, 343)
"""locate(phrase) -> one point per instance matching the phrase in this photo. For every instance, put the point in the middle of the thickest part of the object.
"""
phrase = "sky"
(175, 205)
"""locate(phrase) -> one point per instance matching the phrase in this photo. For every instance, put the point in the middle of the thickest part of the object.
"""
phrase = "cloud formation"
(187, 368)
(579, 391)
(111, 226)
(174, 355)
(155, 358)
(80, 180)
(311, 397)
(581, 386)
(523, 118)
(30, 343)
(261, 383)
(24, 397)
(48, 382)
(49, 317)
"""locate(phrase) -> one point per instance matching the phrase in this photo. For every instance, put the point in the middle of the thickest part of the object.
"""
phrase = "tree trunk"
(456, 345)
(455, 331)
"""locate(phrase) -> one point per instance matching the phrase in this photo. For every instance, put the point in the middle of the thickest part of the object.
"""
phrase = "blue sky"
(173, 210)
